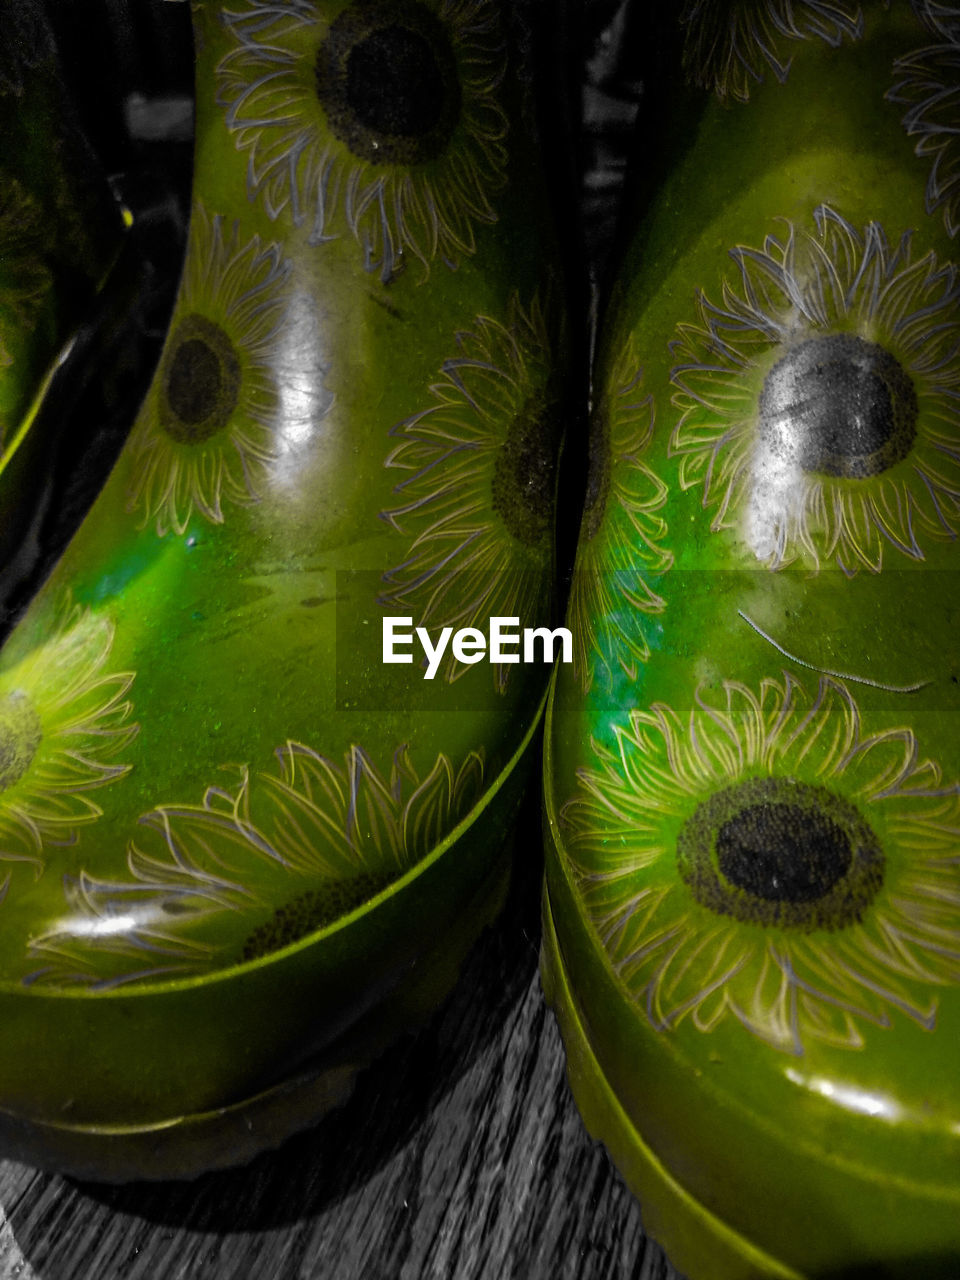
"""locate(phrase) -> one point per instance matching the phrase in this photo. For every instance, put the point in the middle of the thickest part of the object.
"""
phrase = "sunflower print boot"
(239, 851)
(60, 233)
(752, 905)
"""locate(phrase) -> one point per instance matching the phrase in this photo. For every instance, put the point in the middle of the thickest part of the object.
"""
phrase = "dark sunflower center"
(776, 851)
(598, 473)
(393, 82)
(523, 475)
(20, 735)
(387, 79)
(312, 910)
(782, 852)
(839, 406)
(201, 383)
(194, 382)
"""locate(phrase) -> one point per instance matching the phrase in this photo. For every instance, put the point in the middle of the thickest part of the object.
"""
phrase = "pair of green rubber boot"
(244, 847)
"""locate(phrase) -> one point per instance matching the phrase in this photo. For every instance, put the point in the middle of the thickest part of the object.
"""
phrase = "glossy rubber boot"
(752, 917)
(240, 850)
(60, 231)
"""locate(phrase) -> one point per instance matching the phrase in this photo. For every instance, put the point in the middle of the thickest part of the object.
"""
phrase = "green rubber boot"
(752, 909)
(241, 850)
(60, 233)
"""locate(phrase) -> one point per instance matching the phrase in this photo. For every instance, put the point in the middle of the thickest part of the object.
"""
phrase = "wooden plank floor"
(460, 1154)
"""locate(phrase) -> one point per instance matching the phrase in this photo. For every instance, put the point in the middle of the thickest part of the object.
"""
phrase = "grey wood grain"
(460, 1155)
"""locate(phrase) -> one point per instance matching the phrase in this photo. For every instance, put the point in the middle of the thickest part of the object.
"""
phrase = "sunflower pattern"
(941, 16)
(730, 45)
(819, 399)
(477, 504)
(205, 433)
(382, 122)
(257, 868)
(768, 861)
(622, 533)
(64, 719)
(928, 85)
